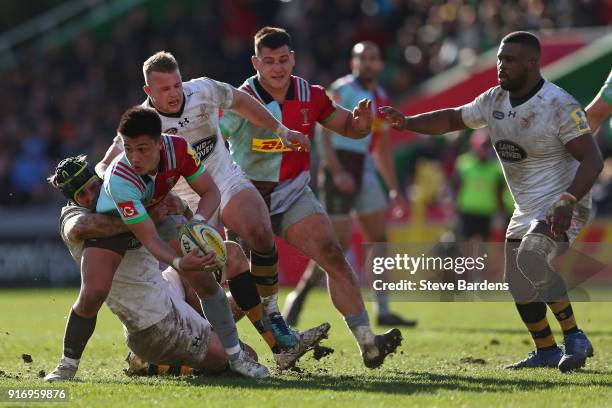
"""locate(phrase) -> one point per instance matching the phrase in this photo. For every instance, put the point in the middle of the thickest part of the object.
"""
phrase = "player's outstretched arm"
(210, 197)
(597, 111)
(429, 123)
(257, 114)
(90, 225)
(355, 124)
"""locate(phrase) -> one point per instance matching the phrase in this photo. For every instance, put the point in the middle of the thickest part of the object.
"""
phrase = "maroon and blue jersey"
(279, 173)
(130, 194)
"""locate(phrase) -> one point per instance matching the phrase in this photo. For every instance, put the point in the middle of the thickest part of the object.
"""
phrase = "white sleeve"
(572, 122)
(219, 94)
(475, 113)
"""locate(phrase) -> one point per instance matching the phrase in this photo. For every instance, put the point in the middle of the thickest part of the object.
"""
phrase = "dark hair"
(524, 38)
(271, 37)
(138, 121)
(71, 175)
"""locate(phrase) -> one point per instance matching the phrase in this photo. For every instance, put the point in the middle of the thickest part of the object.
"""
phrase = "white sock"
(270, 304)
(71, 361)
(365, 340)
(233, 352)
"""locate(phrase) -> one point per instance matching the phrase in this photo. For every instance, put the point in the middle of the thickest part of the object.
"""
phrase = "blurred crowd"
(68, 100)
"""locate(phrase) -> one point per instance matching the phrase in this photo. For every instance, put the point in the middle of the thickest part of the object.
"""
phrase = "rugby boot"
(65, 371)
(539, 358)
(384, 344)
(391, 319)
(247, 367)
(285, 337)
(577, 349)
(307, 340)
(136, 365)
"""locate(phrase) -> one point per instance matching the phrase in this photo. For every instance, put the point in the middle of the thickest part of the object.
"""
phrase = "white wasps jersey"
(529, 141)
(198, 123)
(139, 296)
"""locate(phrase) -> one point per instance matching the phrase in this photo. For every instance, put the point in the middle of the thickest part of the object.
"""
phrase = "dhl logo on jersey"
(268, 146)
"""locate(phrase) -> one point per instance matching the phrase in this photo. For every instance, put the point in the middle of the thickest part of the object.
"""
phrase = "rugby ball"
(199, 236)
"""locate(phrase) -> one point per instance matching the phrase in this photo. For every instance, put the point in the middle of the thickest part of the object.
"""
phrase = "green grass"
(428, 371)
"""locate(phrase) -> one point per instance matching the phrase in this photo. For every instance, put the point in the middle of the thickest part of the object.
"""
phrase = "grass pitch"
(452, 358)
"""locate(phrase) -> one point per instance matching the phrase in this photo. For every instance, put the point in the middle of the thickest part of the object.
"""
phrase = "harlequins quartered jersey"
(347, 92)
(129, 194)
(279, 173)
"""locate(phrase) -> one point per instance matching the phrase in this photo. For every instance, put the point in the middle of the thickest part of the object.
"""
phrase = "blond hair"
(161, 61)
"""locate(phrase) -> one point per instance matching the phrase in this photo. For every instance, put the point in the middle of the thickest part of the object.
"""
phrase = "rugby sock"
(382, 303)
(264, 267)
(245, 295)
(565, 315)
(359, 323)
(78, 331)
(218, 312)
(533, 315)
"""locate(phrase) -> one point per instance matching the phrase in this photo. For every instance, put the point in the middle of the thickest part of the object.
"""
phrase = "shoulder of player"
(120, 175)
(491, 95)
(342, 82)
(200, 84)
(305, 91)
(557, 97)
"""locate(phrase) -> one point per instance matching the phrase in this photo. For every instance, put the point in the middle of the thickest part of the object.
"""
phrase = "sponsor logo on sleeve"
(580, 119)
(509, 151)
(128, 209)
(171, 131)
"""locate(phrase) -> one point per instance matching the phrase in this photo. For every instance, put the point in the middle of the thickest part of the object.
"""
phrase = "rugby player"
(282, 175)
(160, 323)
(350, 185)
(601, 106)
(550, 162)
(191, 110)
(143, 176)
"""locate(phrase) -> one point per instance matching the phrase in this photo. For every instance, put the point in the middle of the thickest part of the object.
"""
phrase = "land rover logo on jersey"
(498, 115)
(510, 151)
(171, 131)
(205, 147)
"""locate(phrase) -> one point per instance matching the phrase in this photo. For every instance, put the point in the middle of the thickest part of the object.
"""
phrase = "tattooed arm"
(85, 225)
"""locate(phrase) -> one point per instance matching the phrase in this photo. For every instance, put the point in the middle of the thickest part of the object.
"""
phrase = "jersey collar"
(266, 97)
(169, 115)
(514, 102)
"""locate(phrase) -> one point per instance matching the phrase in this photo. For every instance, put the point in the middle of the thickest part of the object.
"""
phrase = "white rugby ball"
(202, 237)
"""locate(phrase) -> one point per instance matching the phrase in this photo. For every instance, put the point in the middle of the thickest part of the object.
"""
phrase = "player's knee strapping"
(264, 267)
(244, 292)
(533, 259)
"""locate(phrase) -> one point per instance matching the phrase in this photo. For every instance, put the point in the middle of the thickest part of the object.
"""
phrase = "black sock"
(533, 315)
(78, 331)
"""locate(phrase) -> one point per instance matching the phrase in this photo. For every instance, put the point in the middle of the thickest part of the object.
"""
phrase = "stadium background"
(69, 68)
